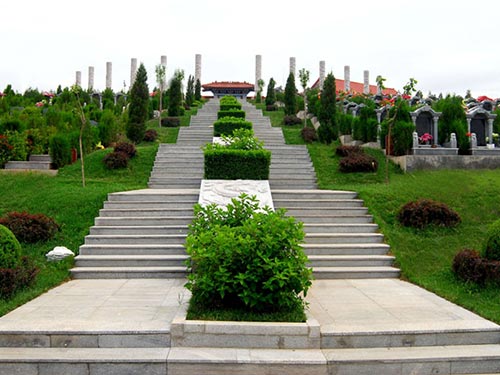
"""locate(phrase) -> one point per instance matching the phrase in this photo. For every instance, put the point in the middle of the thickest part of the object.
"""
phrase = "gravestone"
(426, 120)
(480, 123)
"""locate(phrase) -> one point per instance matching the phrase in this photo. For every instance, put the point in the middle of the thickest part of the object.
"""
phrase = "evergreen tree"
(197, 90)
(175, 94)
(271, 95)
(138, 108)
(190, 91)
(290, 92)
(328, 130)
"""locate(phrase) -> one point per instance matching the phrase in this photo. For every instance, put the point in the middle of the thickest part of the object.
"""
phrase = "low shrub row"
(170, 122)
(229, 106)
(238, 113)
(227, 125)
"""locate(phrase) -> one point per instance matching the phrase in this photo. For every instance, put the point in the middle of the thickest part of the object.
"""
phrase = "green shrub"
(469, 266)
(231, 164)
(291, 120)
(171, 122)
(60, 151)
(10, 249)
(231, 113)
(5, 150)
(424, 212)
(116, 160)
(243, 256)
(309, 135)
(346, 150)
(364, 129)
(228, 99)
(151, 135)
(19, 145)
(127, 148)
(401, 135)
(227, 125)
(108, 129)
(492, 245)
(30, 228)
(345, 123)
(230, 106)
(135, 131)
(358, 162)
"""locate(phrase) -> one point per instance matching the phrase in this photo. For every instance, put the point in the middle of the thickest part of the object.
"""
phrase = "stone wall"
(410, 163)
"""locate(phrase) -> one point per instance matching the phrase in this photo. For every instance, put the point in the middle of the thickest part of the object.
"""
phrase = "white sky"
(448, 46)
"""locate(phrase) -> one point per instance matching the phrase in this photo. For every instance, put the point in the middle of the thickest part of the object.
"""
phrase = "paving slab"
(101, 306)
(379, 306)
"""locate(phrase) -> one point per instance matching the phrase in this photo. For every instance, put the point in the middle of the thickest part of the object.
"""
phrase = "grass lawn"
(63, 198)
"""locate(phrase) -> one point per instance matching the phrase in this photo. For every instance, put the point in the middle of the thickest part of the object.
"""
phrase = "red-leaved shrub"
(344, 151)
(469, 266)
(127, 148)
(116, 160)
(151, 135)
(30, 228)
(309, 135)
(424, 212)
(358, 162)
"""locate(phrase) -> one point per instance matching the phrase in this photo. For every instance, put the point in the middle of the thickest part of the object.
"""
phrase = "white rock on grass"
(59, 253)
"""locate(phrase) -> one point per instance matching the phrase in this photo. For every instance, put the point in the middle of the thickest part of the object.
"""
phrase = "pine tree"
(290, 92)
(271, 95)
(175, 94)
(328, 130)
(190, 91)
(197, 90)
(138, 108)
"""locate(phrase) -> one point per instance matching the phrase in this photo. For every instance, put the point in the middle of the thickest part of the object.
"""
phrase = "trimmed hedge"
(227, 125)
(492, 246)
(30, 228)
(229, 106)
(228, 99)
(238, 113)
(230, 164)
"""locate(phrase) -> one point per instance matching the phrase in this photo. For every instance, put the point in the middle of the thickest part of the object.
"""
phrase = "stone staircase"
(39, 163)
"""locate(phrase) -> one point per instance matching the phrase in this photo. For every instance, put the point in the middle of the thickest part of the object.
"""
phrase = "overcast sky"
(447, 46)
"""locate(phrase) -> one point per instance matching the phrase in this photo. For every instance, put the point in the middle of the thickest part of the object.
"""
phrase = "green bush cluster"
(492, 245)
(238, 113)
(228, 99)
(10, 249)
(229, 106)
(60, 150)
(227, 125)
(243, 256)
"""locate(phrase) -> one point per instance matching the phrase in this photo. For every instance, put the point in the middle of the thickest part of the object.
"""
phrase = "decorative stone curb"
(262, 335)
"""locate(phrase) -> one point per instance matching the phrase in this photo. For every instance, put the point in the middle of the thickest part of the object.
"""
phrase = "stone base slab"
(410, 163)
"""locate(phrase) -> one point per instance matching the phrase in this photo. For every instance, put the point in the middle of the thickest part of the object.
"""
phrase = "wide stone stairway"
(124, 312)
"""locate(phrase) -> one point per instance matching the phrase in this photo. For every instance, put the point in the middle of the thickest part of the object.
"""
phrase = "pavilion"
(239, 90)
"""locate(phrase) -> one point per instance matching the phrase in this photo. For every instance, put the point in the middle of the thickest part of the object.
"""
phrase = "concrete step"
(300, 212)
(334, 219)
(135, 239)
(340, 228)
(128, 272)
(141, 220)
(350, 260)
(122, 249)
(139, 229)
(313, 194)
(346, 249)
(88, 361)
(169, 173)
(130, 260)
(173, 212)
(338, 238)
(355, 272)
(166, 205)
(156, 195)
(42, 158)
(317, 203)
(28, 165)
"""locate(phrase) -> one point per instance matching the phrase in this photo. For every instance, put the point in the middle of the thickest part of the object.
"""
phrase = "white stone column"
(321, 74)
(366, 82)
(258, 71)
(78, 78)
(347, 78)
(133, 70)
(163, 62)
(435, 135)
(197, 68)
(292, 65)
(490, 131)
(109, 74)
(468, 124)
(91, 78)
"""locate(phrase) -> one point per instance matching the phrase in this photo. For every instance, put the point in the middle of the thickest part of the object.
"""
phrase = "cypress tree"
(271, 95)
(290, 92)
(175, 94)
(197, 90)
(190, 91)
(138, 108)
(328, 130)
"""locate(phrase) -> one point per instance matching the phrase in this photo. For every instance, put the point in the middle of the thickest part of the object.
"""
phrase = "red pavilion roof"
(228, 85)
(357, 87)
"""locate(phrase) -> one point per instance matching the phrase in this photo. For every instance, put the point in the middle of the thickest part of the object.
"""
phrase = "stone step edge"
(268, 335)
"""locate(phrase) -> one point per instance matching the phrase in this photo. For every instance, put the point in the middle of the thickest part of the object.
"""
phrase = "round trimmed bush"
(127, 148)
(492, 246)
(116, 160)
(424, 212)
(29, 228)
(309, 135)
(358, 162)
(151, 135)
(469, 266)
(10, 249)
(346, 150)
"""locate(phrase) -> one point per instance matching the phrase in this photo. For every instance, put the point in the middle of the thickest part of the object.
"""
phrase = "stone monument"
(292, 65)
(109, 73)
(133, 70)
(197, 68)
(91, 78)
(258, 71)
(78, 80)
(321, 74)
(163, 61)
(347, 78)
(366, 82)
